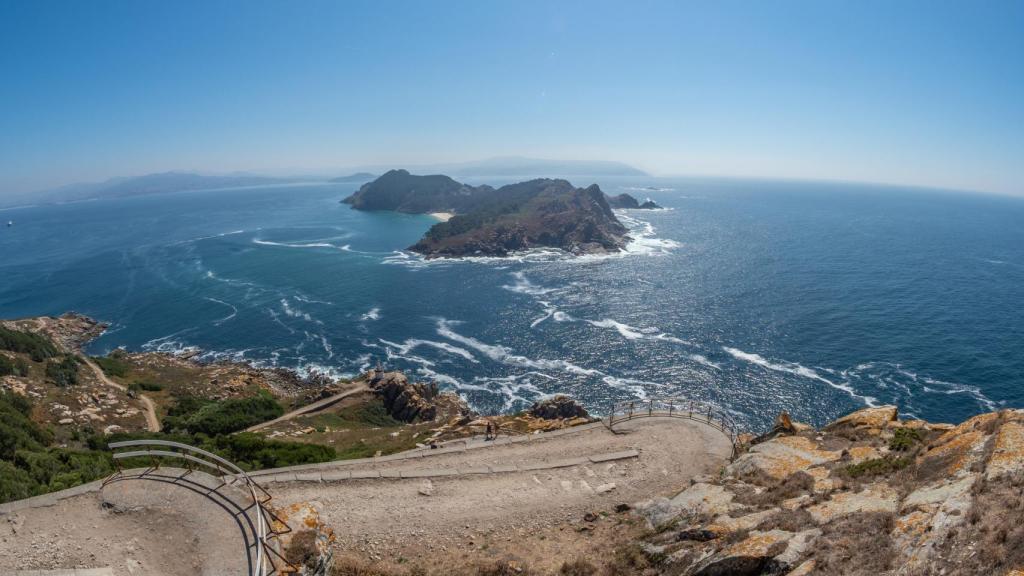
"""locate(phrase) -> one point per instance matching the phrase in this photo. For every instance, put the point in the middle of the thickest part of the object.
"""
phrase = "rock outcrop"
(558, 406)
(414, 401)
(867, 494)
(628, 202)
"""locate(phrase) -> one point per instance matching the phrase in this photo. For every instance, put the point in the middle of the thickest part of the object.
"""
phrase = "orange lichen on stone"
(875, 498)
(859, 454)
(758, 544)
(877, 418)
(781, 457)
(1008, 455)
(964, 449)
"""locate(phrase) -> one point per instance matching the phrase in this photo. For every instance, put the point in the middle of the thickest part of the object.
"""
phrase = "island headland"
(488, 221)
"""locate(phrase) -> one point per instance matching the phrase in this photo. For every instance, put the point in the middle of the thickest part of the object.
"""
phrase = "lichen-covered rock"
(875, 498)
(704, 499)
(876, 418)
(1008, 452)
(779, 458)
(752, 556)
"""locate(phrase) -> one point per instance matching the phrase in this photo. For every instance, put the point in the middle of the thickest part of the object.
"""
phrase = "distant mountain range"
(151, 184)
(516, 166)
(176, 181)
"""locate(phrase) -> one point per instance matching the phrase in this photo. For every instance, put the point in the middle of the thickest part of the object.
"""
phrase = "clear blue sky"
(923, 92)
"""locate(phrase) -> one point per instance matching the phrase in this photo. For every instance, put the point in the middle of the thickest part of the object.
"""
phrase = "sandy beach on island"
(442, 216)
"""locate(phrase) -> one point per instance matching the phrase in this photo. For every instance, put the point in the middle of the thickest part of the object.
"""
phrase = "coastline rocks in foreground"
(867, 494)
(538, 213)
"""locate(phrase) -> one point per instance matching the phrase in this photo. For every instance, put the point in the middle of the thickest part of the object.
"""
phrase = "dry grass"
(857, 545)
(788, 520)
(991, 540)
(577, 567)
(301, 550)
(790, 487)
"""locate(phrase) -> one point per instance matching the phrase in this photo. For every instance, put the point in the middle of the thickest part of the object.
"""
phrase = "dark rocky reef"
(496, 222)
(625, 201)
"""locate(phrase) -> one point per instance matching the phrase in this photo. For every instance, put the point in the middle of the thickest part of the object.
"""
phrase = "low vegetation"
(29, 466)
(37, 347)
(112, 365)
(13, 366)
(215, 417)
(63, 372)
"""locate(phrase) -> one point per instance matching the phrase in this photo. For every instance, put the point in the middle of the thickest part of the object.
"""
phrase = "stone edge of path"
(66, 572)
(332, 475)
(451, 447)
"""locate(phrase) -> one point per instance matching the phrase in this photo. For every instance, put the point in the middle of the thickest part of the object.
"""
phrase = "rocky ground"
(868, 494)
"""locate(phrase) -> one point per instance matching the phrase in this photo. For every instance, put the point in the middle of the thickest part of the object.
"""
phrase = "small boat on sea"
(10, 223)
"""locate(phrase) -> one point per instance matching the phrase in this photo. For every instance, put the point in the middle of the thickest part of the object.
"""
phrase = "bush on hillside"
(216, 417)
(112, 365)
(36, 346)
(13, 366)
(63, 372)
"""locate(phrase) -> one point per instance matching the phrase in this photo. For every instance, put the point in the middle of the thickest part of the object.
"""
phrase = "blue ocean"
(816, 298)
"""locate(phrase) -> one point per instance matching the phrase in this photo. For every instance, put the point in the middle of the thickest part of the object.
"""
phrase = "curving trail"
(152, 422)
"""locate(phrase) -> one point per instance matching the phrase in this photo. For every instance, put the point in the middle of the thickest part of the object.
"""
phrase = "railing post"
(650, 407)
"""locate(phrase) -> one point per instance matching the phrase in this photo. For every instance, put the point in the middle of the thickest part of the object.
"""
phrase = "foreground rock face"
(867, 494)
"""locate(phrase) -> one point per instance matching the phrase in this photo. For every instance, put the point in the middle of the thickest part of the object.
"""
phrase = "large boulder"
(405, 401)
(558, 407)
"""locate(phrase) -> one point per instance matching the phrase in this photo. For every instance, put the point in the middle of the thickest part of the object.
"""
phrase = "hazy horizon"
(913, 94)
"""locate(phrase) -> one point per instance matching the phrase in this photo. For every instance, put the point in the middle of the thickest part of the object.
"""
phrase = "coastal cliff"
(496, 222)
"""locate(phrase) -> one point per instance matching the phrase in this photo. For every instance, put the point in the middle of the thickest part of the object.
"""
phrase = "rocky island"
(627, 202)
(498, 221)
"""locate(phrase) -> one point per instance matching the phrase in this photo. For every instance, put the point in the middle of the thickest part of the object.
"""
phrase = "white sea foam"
(372, 314)
(701, 359)
(504, 355)
(523, 285)
(234, 311)
(288, 245)
(296, 313)
(625, 330)
(413, 343)
(798, 370)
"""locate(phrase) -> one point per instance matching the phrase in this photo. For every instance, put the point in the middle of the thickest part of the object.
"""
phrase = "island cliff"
(496, 222)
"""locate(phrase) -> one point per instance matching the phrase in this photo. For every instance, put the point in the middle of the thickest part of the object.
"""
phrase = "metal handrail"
(676, 408)
(225, 468)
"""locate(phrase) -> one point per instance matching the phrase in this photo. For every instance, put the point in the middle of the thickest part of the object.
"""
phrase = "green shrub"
(36, 346)
(904, 439)
(111, 365)
(877, 467)
(13, 366)
(213, 418)
(64, 372)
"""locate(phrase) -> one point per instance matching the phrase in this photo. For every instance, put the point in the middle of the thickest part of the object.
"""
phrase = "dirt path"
(152, 422)
(391, 518)
(308, 408)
